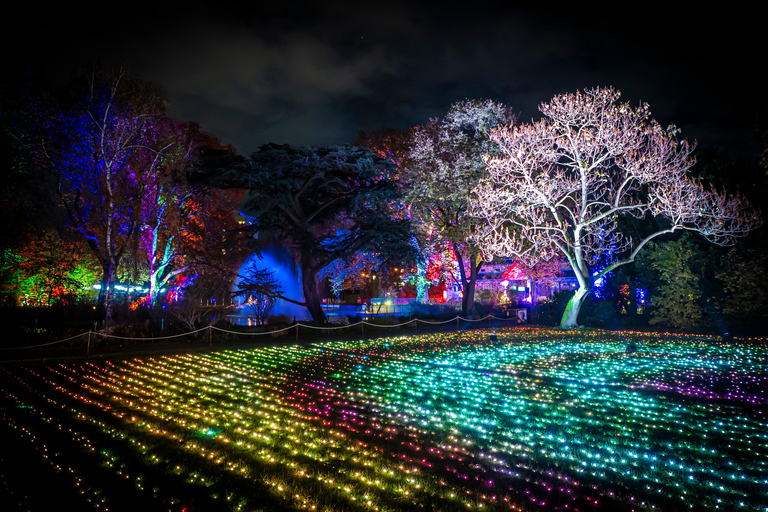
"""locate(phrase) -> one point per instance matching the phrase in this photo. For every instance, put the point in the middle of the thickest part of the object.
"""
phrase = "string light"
(529, 420)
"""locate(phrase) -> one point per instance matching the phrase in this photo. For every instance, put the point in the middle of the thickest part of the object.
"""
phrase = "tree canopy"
(445, 161)
(321, 203)
(107, 148)
(562, 186)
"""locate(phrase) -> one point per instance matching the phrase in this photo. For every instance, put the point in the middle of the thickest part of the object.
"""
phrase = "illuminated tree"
(321, 203)
(185, 228)
(395, 145)
(167, 207)
(46, 270)
(387, 143)
(676, 298)
(444, 163)
(258, 290)
(365, 271)
(350, 274)
(562, 186)
(106, 152)
(744, 278)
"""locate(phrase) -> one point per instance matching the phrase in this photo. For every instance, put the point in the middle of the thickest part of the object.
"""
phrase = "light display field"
(530, 420)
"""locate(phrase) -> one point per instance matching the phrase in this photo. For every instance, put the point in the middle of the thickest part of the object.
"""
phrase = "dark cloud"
(312, 74)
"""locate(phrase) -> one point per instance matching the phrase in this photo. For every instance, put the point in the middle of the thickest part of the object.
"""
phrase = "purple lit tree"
(165, 212)
(108, 151)
(186, 228)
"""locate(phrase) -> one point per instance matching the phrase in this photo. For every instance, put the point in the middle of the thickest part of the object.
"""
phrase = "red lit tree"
(185, 227)
(562, 186)
(167, 206)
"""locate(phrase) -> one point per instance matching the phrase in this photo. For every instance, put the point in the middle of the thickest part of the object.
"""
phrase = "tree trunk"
(106, 296)
(422, 288)
(571, 313)
(312, 299)
(468, 282)
(468, 297)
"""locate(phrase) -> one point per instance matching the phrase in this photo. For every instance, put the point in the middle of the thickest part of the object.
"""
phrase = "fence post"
(297, 332)
(210, 335)
(457, 322)
(362, 329)
(88, 347)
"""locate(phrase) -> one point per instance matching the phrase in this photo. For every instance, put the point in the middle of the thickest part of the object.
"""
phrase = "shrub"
(279, 319)
(600, 313)
(338, 320)
(550, 312)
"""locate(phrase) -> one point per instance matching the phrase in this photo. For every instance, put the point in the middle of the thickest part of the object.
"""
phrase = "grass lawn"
(528, 419)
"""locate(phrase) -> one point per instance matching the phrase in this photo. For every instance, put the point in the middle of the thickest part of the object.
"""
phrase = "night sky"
(317, 73)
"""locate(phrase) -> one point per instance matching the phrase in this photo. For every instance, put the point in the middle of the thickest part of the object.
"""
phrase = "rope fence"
(211, 328)
(48, 344)
(96, 333)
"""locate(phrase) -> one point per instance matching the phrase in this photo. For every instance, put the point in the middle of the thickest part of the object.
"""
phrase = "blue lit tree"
(258, 291)
(107, 150)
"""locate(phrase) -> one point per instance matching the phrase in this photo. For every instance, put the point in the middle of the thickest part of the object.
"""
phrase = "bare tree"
(561, 186)
(198, 305)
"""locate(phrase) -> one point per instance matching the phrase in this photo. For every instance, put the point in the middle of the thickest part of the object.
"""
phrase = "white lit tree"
(443, 164)
(561, 186)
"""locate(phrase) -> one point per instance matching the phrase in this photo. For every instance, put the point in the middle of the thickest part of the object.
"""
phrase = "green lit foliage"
(46, 270)
(676, 299)
(10, 276)
(743, 276)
